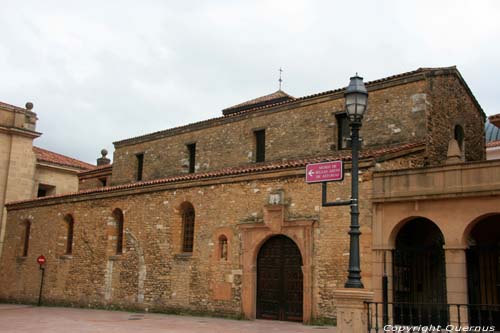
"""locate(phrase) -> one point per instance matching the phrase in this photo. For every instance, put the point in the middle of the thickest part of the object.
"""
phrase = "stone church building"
(215, 216)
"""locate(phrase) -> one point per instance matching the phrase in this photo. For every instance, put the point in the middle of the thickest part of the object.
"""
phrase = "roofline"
(398, 79)
(367, 155)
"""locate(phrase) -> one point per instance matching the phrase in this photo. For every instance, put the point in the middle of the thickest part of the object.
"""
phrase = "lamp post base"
(352, 310)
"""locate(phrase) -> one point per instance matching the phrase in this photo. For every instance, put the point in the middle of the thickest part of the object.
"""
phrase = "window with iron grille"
(188, 227)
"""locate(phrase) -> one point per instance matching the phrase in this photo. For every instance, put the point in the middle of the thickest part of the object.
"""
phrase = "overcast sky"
(102, 71)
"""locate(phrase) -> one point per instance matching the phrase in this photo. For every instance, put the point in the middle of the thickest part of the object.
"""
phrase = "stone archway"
(280, 280)
(254, 235)
(419, 275)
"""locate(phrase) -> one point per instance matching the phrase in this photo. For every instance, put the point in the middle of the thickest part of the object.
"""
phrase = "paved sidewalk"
(24, 318)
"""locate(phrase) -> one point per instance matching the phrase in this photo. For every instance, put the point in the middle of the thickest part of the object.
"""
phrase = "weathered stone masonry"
(230, 195)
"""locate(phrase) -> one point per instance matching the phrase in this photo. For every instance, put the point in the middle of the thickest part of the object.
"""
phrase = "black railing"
(380, 314)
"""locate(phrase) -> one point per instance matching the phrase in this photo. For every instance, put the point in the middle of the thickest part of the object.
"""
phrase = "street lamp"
(356, 98)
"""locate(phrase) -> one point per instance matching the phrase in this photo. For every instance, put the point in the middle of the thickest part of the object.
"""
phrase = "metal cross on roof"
(280, 80)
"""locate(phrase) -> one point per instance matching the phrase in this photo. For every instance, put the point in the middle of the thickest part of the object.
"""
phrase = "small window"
(459, 136)
(104, 181)
(118, 217)
(343, 133)
(187, 212)
(260, 145)
(45, 190)
(26, 238)
(192, 156)
(69, 233)
(140, 164)
(223, 247)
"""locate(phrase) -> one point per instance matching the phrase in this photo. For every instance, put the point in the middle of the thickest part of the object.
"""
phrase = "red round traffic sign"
(41, 260)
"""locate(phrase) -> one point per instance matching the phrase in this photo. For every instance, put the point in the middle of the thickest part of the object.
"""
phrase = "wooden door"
(279, 280)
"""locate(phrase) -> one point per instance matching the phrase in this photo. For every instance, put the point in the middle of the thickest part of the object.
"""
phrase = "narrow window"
(188, 227)
(69, 236)
(192, 156)
(260, 145)
(140, 163)
(118, 217)
(342, 131)
(223, 247)
(459, 136)
(103, 181)
(26, 242)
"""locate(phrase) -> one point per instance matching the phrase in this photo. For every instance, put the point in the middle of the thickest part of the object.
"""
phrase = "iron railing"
(380, 314)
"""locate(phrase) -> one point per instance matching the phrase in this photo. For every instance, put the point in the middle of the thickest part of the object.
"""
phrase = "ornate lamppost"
(356, 99)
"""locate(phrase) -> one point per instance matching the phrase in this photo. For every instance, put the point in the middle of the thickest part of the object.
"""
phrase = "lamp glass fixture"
(356, 98)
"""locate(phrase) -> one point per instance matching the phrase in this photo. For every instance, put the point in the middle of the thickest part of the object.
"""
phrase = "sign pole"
(41, 261)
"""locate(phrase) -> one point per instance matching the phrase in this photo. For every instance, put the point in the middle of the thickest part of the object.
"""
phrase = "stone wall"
(395, 114)
(453, 105)
(153, 272)
(65, 181)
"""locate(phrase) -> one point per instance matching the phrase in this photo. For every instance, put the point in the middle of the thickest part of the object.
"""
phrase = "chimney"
(103, 160)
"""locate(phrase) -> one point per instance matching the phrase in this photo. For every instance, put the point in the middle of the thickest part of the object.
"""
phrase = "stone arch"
(419, 273)
(258, 246)
(397, 228)
(469, 227)
(188, 219)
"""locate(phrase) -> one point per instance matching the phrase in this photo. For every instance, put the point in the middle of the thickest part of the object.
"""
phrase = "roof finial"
(280, 80)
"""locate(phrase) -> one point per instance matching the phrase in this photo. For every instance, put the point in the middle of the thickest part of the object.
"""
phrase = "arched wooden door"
(279, 280)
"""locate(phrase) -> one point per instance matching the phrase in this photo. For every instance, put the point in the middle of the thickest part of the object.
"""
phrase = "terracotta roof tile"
(44, 155)
(275, 97)
(344, 155)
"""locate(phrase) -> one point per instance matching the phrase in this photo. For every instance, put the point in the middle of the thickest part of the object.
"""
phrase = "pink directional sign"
(324, 172)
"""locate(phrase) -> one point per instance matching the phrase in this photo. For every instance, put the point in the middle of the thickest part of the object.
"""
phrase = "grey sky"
(102, 71)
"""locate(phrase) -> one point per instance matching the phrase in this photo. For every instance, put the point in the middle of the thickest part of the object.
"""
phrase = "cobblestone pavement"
(25, 318)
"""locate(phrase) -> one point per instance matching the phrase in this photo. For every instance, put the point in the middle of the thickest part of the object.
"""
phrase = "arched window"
(223, 248)
(459, 136)
(118, 217)
(187, 211)
(26, 237)
(68, 219)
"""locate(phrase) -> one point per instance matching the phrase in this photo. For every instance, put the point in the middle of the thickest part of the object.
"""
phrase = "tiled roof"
(275, 97)
(44, 155)
(344, 155)
(97, 169)
(493, 144)
(212, 121)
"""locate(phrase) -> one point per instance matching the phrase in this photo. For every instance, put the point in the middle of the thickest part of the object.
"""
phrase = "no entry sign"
(324, 172)
(41, 260)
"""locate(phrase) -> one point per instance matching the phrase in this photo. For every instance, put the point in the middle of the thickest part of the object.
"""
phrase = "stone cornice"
(19, 131)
